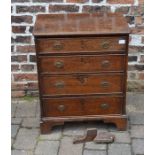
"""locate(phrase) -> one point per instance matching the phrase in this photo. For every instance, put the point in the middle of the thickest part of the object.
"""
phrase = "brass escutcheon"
(59, 84)
(104, 105)
(59, 64)
(61, 107)
(104, 84)
(58, 46)
(105, 63)
(105, 45)
(82, 78)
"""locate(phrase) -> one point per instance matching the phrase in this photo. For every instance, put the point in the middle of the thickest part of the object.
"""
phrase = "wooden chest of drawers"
(82, 68)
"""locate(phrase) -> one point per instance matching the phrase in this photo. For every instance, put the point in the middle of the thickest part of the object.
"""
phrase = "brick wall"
(24, 73)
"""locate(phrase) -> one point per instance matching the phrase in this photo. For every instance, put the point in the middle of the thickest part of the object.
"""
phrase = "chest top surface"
(80, 24)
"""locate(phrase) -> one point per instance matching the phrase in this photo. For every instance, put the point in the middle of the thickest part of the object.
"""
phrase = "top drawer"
(96, 44)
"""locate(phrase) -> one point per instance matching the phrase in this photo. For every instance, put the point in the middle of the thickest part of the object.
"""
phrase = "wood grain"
(80, 24)
(81, 84)
(81, 63)
(66, 45)
(80, 106)
(82, 68)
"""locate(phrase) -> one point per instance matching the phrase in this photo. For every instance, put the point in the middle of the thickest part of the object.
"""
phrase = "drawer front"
(79, 63)
(81, 84)
(79, 44)
(82, 106)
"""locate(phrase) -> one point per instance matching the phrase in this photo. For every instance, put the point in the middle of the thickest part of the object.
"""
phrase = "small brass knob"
(105, 45)
(59, 84)
(61, 107)
(104, 84)
(104, 105)
(105, 63)
(57, 46)
(59, 64)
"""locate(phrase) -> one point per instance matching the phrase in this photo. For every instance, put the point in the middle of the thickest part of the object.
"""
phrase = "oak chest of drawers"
(82, 68)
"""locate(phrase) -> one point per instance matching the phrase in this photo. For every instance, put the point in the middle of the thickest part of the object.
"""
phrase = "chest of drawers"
(82, 68)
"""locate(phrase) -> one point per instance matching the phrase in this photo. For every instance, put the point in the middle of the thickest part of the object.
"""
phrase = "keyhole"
(82, 79)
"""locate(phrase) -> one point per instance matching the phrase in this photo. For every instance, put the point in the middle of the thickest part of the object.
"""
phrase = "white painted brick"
(136, 3)
(136, 40)
(113, 8)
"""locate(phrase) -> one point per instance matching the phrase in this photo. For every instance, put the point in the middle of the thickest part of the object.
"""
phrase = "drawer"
(81, 84)
(82, 106)
(65, 45)
(81, 63)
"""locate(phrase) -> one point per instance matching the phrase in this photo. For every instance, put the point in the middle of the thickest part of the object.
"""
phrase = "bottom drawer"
(77, 106)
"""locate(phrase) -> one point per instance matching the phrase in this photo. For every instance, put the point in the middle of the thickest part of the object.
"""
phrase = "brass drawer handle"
(58, 46)
(59, 84)
(105, 45)
(105, 63)
(61, 107)
(104, 84)
(59, 64)
(104, 106)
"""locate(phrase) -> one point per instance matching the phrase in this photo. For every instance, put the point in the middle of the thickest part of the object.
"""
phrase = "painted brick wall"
(24, 72)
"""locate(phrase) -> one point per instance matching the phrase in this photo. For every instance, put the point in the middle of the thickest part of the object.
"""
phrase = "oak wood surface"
(81, 84)
(81, 63)
(80, 24)
(47, 123)
(67, 45)
(82, 68)
(96, 105)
